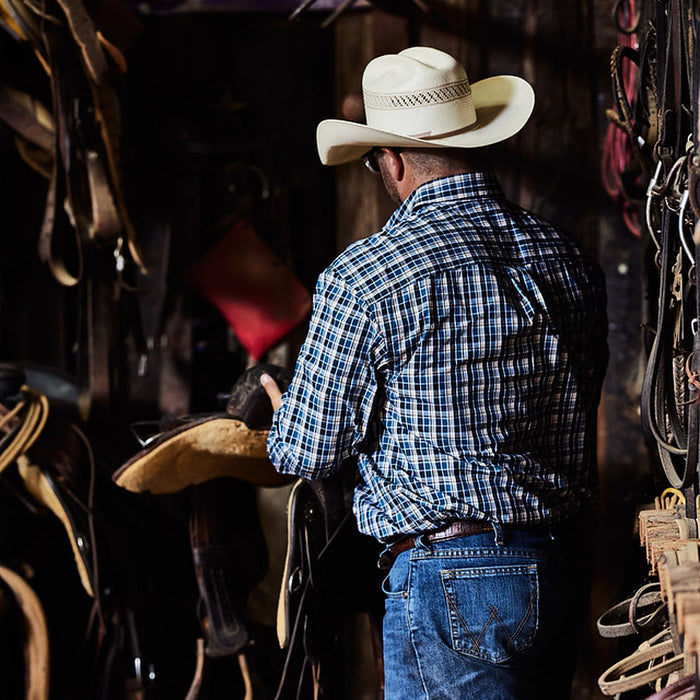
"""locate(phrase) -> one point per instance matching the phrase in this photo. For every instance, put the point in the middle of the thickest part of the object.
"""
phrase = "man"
(458, 356)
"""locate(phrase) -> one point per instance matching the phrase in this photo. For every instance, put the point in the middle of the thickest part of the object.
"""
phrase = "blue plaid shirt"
(457, 355)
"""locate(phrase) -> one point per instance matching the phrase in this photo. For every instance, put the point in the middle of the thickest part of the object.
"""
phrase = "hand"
(273, 391)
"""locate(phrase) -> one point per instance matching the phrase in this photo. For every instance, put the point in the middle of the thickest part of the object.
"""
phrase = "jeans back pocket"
(493, 611)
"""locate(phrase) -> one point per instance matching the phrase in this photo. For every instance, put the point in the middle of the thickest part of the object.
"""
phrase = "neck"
(407, 169)
(414, 180)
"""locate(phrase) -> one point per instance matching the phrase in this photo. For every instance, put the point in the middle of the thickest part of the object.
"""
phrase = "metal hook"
(651, 194)
(681, 226)
(674, 184)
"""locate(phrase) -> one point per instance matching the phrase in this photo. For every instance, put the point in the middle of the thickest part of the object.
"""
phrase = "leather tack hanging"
(81, 144)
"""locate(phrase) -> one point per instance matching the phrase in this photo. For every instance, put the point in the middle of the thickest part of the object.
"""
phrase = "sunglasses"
(370, 158)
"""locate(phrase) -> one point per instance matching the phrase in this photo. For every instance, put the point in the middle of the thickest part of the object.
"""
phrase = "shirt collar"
(463, 186)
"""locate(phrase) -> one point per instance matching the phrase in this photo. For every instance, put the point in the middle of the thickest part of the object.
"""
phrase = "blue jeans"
(489, 616)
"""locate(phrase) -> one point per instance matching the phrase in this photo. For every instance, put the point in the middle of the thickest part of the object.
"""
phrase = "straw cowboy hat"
(421, 98)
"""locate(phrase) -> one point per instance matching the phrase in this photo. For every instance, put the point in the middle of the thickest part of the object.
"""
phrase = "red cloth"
(254, 290)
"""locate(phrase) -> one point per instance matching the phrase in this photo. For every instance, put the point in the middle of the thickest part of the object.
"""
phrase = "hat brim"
(503, 105)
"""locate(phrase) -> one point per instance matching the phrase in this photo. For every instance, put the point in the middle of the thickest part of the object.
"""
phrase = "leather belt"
(459, 528)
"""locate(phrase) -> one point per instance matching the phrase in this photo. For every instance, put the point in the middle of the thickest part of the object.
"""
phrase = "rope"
(619, 149)
(23, 425)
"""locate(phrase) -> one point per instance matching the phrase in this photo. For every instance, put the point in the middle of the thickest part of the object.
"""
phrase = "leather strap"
(314, 598)
(85, 199)
(633, 615)
(224, 531)
(30, 420)
(59, 240)
(196, 685)
(643, 666)
(27, 116)
(459, 528)
(668, 416)
(36, 642)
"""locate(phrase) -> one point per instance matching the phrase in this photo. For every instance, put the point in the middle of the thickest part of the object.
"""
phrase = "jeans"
(490, 616)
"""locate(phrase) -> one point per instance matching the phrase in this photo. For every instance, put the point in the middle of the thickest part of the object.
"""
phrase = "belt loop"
(386, 558)
(497, 534)
(422, 544)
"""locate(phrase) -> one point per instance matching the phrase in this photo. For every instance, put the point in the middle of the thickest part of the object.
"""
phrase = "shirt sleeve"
(326, 412)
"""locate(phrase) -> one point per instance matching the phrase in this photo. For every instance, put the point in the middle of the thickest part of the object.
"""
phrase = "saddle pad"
(203, 449)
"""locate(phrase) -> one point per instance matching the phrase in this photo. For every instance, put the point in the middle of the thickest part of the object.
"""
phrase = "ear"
(393, 162)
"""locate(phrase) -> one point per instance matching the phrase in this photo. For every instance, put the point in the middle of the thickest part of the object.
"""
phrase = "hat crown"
(420, 92)
(422, 98)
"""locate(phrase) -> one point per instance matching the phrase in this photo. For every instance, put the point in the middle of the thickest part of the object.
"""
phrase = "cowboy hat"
(421, 98)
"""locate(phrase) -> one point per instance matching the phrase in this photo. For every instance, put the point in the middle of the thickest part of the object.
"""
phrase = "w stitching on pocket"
(482, 631)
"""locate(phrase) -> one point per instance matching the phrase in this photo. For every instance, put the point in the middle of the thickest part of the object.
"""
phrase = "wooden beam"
(362, 204)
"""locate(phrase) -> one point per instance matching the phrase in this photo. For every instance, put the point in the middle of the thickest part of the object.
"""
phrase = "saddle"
(49, 469)
(220, 458)
(329, 570)
(195, 449)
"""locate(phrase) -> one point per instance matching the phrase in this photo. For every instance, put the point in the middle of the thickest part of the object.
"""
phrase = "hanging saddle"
(47, 463)
(221, 457)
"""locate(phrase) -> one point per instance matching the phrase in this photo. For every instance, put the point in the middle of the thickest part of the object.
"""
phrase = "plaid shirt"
(457, 355)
